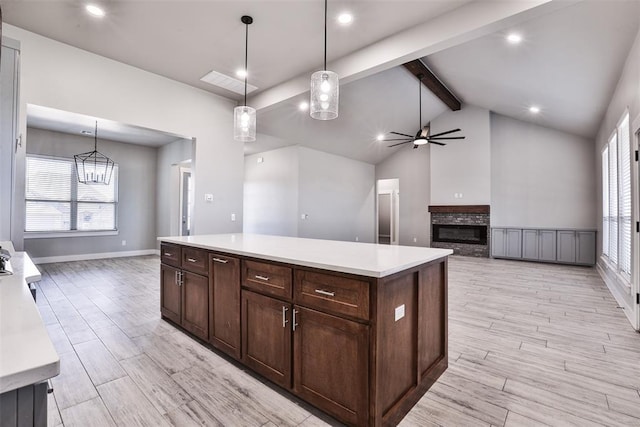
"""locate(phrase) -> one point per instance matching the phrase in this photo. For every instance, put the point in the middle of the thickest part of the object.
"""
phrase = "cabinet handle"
(294, 319)
(167, 254)
(222, 261)
(265, 278)
(192, 260)
(327, 293)
(284, 316)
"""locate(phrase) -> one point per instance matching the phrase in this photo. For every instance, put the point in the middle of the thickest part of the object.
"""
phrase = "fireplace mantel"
(468, 209)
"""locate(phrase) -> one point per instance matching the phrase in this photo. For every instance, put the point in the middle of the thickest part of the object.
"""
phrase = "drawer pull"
(265, 278)
(222, 261)
(192, 260)
(284, 317)
(168, 254)
(327, 293)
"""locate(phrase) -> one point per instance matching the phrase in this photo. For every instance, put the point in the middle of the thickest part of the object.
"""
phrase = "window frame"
(46, 234)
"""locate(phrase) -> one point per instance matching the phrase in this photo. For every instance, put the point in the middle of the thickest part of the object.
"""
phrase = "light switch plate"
(399, 312)
(208, 198)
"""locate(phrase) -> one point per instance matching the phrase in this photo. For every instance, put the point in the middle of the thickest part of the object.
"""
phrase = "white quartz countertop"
(27, 355)
(365, 259)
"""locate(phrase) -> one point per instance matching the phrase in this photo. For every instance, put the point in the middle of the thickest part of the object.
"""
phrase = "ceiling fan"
(424, 134)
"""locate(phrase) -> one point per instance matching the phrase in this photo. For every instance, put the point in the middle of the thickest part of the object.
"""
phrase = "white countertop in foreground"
(27, 355)
(365, 259)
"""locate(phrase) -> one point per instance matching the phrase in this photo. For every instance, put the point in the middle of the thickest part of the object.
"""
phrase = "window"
(56, 202)
(616, 199)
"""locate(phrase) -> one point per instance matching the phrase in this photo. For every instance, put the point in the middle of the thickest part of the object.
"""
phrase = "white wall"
(412, 168)
(336, 194)
(59, 76)
(540, 177)
(168, 199)
(136, 195)
(271, 192)
(464, 165)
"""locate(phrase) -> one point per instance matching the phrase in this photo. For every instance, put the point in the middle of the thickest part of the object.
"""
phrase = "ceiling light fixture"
(244, 117)
(324, 87)
(514, 38)
(95, 10)
(242, 73)
(534, 109)
(380, 137)
(345, 18)
(303, 106)
(93, 167)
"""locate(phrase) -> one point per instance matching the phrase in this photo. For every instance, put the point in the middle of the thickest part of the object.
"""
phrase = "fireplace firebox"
(469, 234)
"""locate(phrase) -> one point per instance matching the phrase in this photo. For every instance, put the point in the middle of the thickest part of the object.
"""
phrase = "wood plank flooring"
(529, 345)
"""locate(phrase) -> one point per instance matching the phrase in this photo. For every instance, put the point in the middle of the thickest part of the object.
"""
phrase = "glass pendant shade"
(93, 168)
(244, 123)
(324, 95)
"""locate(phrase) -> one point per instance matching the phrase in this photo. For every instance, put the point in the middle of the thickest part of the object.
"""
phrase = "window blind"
(605, 201)
(625, 195)
(613, 199)
(55, 201)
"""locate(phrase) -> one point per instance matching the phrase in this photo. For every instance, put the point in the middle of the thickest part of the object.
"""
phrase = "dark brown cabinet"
(331, 359)
(224, 326)
(195, 304)
(170, 293)
(266, 337)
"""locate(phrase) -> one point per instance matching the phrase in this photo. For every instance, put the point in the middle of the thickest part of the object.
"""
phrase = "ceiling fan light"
(324, 95)
(420, 141)
(244, 124)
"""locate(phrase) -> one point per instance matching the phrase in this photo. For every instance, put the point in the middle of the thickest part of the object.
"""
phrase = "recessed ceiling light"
(514, 38)
(534, 109)
(242, 73)
(380, 137)
(95, 10)
(345, 18)
(303, 106)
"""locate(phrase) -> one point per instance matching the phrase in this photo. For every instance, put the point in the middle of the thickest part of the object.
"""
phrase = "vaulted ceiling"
(568, 63)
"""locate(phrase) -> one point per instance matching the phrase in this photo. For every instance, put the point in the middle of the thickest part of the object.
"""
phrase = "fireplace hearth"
(462, 228)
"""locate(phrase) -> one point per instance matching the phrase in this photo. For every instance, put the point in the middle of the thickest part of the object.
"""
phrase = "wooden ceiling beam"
(433, 83)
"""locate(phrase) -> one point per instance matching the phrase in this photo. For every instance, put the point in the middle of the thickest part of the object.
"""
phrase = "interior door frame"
(184, 199)
(635, 219)
(394, 211)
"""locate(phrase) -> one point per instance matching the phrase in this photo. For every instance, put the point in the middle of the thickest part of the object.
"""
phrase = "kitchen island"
(358, 330)
(27, 356)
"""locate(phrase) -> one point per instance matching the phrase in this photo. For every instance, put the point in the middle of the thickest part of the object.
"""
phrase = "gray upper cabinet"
(8, 130)
(564, 246)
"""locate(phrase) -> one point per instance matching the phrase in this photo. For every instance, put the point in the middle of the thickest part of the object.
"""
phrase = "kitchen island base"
(362, 349)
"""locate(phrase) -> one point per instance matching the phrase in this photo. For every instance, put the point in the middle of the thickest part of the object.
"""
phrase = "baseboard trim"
(617, 295)
(101, 255)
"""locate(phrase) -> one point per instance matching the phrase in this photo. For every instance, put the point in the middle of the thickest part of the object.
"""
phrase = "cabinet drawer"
(195, 260)
(170, 254)
(334, 294)
(267, 278)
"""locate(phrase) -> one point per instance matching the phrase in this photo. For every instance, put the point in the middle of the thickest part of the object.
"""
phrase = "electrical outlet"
(233, 217)
(124, 243)
(357, 239)
(260, 159)
(415, 240)
(304, 216)
(399, 312)
(208, 198)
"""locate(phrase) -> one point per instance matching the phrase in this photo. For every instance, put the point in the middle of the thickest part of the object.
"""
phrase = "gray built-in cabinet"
(546, 245)
(8, 130)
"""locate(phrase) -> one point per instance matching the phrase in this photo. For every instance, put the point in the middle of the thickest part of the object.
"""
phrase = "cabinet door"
(225, 304)
(530, 244)
(498, 241)
(514, 243)
(586, 247)
(170, 293)
(195, 304)
(567, 246)
(266, 337)
(547, 245)
(331, 360)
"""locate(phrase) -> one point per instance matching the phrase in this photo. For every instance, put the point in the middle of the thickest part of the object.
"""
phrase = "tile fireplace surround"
(462, 216)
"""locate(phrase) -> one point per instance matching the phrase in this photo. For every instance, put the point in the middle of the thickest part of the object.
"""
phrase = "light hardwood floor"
(529, 344)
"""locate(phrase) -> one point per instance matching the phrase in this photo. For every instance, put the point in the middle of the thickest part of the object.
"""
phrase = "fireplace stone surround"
(460, 217)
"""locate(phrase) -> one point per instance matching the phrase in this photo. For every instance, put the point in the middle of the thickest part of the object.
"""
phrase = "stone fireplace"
(463, 228)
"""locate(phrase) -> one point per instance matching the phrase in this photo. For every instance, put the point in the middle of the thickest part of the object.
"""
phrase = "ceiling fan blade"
(402, 134)
(436, 142)
(446, 137)
(445, 133)
(399, 143)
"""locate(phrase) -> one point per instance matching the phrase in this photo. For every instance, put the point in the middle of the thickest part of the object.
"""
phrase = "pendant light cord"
(325, 35)
(246, 59)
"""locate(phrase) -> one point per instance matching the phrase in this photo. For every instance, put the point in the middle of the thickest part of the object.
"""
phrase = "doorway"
(388, 211)
(186, 201)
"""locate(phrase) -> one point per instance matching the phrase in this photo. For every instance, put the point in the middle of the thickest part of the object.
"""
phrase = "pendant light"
(244, 117)
(324, 87)
(94, 167)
